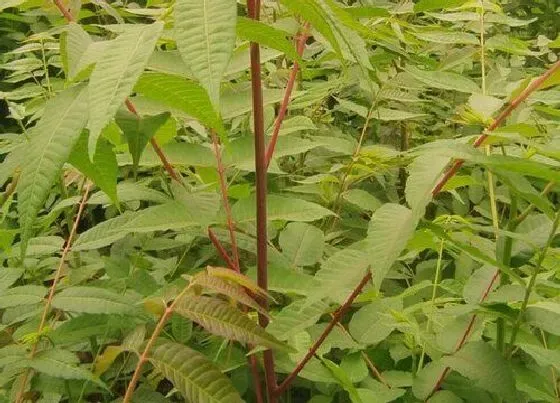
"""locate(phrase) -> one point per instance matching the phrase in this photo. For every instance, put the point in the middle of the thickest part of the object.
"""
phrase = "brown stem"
(253, 7)
(225, 200)
(287, 94)
(130, 106)
(52, 290)
(335, 319)
(497, 122)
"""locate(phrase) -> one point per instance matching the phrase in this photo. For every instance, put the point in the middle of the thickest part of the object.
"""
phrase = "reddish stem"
(221, 250)
(225, 201)
(335, 319)
(497, 122)
(253, 7)
(287, 94)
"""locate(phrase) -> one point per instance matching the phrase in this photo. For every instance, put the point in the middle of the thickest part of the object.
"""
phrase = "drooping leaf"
(427, 5)
(182, 94)
(424, 172)
(116, 73)
(266, 35)
(221, 318)
(54, 137)
(205, 33)
(103, 170)
(93, 300)
(195, 376)
(138, 131)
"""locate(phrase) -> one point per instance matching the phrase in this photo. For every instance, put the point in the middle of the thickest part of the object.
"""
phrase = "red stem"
(286, 101)
(253, 7)
(497, 122)
(335, 319)
(225, 201)
(221, 250)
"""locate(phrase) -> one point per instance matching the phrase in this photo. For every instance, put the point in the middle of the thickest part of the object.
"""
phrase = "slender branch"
(287, 94)
(221, 250)
(497, 122)
(129, 105)
(335, 319)
(531, 285)
(253, 7)
(52, 290)
(145, 354)
(225, 200)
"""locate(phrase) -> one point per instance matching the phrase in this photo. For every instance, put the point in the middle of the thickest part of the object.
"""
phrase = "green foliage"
(388, 96)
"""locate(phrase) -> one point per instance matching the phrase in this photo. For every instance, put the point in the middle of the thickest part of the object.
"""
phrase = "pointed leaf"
(93, 300)
(302, 243)
(256, 31)
(205, 33)
(138, 131)
(221, 318)
(54, 137)
(22, 295)
(116, 73)
(103, 170)
(444, 80)
(182, 94)
(193, 374)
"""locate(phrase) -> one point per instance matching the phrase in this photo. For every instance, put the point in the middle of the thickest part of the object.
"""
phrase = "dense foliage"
(379, 226)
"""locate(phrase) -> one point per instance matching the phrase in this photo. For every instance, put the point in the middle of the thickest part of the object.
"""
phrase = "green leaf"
(138, 131)
(22, 295)
(256, 31)
(221, 318)
(171, 215)
(295, 318)
(302, 243)
(390, 228)
(364, 200)
(193, 374)
(545, 315)
(94, 300)
(60, 364)
(542, 356)
(81, 51)
(8, 276)
(343, 380)
(54, 137)
(374, 322)
(182, 94)
(116, 73)
(444, 80)
(310, 11)
(205, 34)
(280, 208)
(480, 362)
(447, 37)
(103, 170)
(426, 5)
(424, 172)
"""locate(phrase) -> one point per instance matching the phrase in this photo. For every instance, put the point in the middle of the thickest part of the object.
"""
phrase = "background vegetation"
(279, 200)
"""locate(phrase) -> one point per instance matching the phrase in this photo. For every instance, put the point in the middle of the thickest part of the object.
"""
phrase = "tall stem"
(260, 173)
